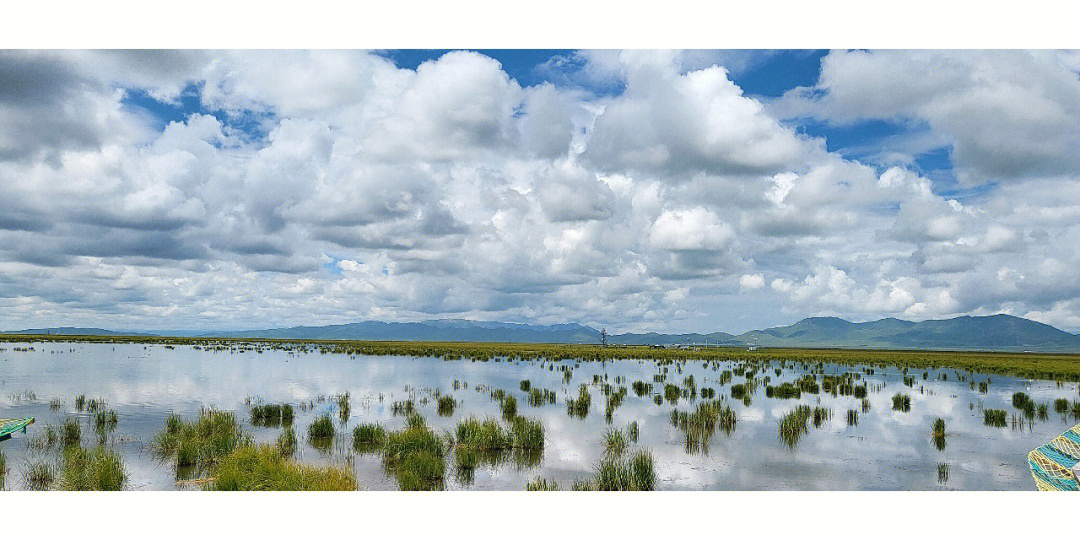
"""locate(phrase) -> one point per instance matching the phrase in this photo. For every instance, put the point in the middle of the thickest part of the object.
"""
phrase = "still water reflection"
(883, 449)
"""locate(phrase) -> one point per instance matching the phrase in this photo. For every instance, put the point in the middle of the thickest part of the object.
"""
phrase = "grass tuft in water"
(286, 442)
(636, 473)
(995, 417)
(446, 405)
(943, 473)
(414, 456)
(201, 443)
(263, 468)
(541, 484)
(579, 407)
(321, 431)
(70, 432)
(368, 437)
(508, 407)
(39, 475)
(901, 402)
(699, 426)
(99, 469)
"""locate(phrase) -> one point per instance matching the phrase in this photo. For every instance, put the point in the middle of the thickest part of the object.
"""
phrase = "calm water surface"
(886, 450)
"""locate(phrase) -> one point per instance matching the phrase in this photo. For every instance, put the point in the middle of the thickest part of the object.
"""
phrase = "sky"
(667, 191)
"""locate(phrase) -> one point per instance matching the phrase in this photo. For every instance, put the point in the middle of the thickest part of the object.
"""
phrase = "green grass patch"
(263, 468)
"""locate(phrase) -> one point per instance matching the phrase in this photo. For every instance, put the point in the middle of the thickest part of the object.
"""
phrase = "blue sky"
(763, 75)
(638, 190)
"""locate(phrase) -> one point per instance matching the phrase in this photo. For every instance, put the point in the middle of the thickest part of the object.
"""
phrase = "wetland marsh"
(242, 414)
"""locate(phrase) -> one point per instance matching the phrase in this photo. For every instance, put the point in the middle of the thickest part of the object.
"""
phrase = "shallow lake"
(886, 449)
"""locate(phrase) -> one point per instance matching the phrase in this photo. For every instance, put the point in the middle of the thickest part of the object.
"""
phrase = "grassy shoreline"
(1047, 366)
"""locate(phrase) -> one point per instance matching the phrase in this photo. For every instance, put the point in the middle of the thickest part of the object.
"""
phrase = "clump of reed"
(938, 427)
(739, 391)
(783, 391)
(901, 402)
(55, 404)
(525, 385)
(271, 415)
(445, 405)
(699, 426)
(541, 396)
(368, 437)
(937, 430)
(402, 408)
(286, 442)
(672, 393)
(541, 484)
(414, 457)
(321, 431)
(1023, 402)
(614, 473)
(199, 444)
(852, 417)
(615, 442)
(579, 407)
(264, 468)
(70, 433)
(793, 425)
(479, 442)
(99, 469)
(1061, 405)
(508, 406)
(105, 420)
(344, 406)
(487, 435)
(96, 404)
(39, 475)
(44, 439)
(995, 418)
(632, 431)
(527, 434)
(943, 473)
(820, 415)
(614, 401)
(641, 388)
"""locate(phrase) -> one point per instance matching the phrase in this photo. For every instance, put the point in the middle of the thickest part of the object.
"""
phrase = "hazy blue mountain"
(438, 330)
(72, 331)
(994, 332)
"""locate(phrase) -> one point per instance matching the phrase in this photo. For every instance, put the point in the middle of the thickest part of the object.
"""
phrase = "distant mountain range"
(995, 332)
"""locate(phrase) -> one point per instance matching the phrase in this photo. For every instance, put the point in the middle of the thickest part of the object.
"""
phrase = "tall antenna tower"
(603, 337)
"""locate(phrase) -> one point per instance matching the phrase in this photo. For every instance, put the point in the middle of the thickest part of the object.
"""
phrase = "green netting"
(1052, 463)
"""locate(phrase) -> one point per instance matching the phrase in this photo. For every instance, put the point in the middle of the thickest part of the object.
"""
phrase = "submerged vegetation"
(699, 426)
(995, 418)
(616, 473)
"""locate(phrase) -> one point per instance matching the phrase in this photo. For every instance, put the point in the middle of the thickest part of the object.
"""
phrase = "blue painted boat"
(11, 425)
